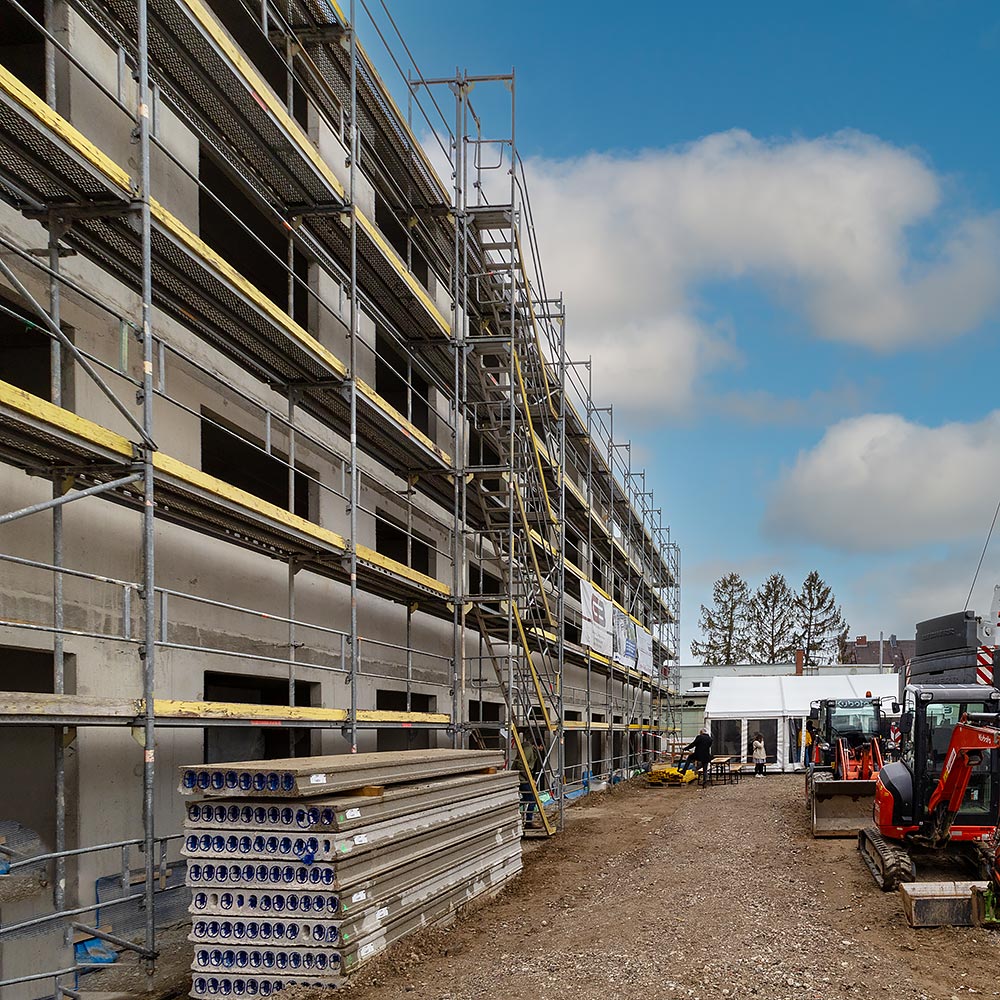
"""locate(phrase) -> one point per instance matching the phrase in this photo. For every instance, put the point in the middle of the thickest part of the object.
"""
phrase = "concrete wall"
(105, 766)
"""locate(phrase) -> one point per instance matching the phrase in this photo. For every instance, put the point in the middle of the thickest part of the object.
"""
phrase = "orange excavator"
(941, 801)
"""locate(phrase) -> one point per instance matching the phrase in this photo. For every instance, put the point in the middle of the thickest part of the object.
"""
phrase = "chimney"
(800, 658)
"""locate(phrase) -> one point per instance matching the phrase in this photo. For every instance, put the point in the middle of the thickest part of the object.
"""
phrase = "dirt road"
(689, 893)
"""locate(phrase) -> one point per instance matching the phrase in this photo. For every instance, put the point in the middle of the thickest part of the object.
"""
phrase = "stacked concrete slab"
(303, 869)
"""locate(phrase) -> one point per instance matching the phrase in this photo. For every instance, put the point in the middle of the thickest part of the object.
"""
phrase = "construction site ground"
(683, 892)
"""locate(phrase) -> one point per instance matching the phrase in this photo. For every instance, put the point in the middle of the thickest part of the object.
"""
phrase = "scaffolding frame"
(512, 514)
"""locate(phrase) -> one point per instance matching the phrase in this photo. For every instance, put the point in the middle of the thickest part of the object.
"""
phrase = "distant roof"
(779, 697)
(904, 650)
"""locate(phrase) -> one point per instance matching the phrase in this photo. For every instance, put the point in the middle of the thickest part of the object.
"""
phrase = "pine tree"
(818, 620)
(772, 622)
(724, 626)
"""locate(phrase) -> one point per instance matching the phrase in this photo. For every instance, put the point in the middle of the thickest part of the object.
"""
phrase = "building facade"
(295, 458)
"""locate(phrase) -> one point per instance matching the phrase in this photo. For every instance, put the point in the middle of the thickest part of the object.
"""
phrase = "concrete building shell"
(294, 456)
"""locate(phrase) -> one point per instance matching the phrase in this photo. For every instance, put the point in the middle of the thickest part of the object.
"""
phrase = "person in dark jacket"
(701, 752)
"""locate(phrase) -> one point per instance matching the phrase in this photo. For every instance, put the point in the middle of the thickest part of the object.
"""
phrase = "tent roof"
(781, 697)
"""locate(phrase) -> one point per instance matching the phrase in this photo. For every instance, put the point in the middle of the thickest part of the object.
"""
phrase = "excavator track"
(889, 864)
(981, 857)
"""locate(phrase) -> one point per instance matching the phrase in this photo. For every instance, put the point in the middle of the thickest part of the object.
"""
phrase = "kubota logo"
(983, 738)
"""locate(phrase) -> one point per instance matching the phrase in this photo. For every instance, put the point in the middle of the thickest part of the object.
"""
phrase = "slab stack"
(303, 869)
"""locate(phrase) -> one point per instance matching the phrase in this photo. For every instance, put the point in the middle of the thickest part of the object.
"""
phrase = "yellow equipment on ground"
(664, 775)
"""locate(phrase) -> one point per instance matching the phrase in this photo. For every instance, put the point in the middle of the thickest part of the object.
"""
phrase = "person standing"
(527, 767)
(701, 747)
(806, 745)
(759, 756)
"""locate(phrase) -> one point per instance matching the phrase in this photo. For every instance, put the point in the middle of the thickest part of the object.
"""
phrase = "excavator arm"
(965, 751)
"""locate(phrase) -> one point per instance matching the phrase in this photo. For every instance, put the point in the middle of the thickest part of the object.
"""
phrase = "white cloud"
(881, 482)
(818, 408)
(824, 224)
(905, 590)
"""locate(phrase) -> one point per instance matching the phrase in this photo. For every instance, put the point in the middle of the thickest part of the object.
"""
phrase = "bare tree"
(772, 621)
(846, 652)
(818, 620)
(725, 626)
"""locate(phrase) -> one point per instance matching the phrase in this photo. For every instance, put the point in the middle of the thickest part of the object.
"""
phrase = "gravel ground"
(673, 893)
(687, 892)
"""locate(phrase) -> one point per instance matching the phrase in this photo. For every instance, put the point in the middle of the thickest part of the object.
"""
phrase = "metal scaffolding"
(482, 439)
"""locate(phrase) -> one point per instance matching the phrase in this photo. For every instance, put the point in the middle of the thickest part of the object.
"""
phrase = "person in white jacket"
(759, 756)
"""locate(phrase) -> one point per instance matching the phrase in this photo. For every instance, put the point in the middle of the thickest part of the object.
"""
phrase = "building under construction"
(296, 459)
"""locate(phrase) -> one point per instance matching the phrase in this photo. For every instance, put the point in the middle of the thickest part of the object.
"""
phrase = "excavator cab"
(856, 721)
(932, 713)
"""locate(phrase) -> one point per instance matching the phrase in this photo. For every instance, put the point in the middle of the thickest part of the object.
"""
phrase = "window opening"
(399, 239)
(231, 241)
(26, 355)
(245, 29)
(485, 711)
(409, 397)
(232, 456)
(22, 46)
(391, 540)
(398, 737)
(225, 743)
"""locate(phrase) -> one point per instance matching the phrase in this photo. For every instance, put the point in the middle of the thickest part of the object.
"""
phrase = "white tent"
(780, 703)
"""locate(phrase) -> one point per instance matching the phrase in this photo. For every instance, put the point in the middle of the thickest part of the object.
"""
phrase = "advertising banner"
(644, 642)
(625, 644)
(596, 632)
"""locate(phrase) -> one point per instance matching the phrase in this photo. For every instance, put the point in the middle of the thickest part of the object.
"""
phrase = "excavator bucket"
(841, 808)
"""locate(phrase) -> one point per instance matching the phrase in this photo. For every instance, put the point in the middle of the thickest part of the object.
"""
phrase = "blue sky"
(777, 229)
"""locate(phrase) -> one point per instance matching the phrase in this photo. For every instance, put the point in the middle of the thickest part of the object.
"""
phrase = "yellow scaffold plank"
(400, 119)
(406, 428)
(55, 123)
(229, 711)
(374, 558)
(26, 705)
(225, 491)
(166, 708)
(262, 91)
(123, 711)
(378, 715)
(229, 273)
(411, 282)
(55, 416)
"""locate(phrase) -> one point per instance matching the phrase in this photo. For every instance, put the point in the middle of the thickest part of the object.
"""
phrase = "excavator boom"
(965, 751)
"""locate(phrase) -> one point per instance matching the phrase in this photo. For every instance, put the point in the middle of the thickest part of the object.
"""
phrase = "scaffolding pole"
(353, 381)
(148, 648)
